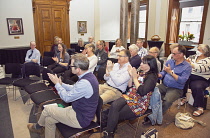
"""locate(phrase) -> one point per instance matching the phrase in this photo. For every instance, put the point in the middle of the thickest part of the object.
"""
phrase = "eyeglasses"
(71, 66)
(175, 53)
(121, 56)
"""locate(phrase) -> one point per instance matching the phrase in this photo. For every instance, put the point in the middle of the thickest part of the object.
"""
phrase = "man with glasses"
(116, 77)
(175, 73)
(83, 95)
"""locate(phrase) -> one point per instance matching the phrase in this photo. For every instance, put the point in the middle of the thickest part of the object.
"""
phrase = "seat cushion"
(7, 81)
(67, 131)
(43, 96)
(35, 88)
(24, 82)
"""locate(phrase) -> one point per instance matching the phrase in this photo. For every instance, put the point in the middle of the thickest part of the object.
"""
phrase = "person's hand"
(167, 69)
(188, 60)
(160, 75)
(130, 70)
(109, 66)
(54, 78)
(84, 51)
(117, 50)
(134, 73)
(55, 59)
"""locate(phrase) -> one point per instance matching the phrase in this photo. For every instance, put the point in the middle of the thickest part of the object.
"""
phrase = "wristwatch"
(172, 72)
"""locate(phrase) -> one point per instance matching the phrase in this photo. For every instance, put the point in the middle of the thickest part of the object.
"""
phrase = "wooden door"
(51, 19)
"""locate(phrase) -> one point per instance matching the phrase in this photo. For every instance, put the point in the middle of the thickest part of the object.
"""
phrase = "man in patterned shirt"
(142, 51)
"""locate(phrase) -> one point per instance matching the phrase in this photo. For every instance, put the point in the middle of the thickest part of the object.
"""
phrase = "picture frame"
(15, 26)
(82, 27)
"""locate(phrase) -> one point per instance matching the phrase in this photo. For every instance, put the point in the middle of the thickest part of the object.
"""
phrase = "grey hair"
(134, 47)
(156, 49)
(172, 46)
(206, 49)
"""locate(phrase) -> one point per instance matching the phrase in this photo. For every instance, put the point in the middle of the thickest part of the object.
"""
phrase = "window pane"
(142, 23)
(190, 21)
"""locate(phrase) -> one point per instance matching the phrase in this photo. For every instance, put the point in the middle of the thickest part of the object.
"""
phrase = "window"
(142, 23)
(190, 22)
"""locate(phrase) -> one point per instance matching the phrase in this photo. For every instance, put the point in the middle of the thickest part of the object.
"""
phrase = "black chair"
(10, 68)
(41, 97)
(21, 83)
(30, 89)
(67, 131)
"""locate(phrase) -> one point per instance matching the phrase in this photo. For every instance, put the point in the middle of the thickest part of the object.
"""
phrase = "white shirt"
(118, 77)
(113, 53)
(93, 60)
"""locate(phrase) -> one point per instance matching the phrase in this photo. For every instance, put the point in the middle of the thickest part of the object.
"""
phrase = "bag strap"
(200, 122)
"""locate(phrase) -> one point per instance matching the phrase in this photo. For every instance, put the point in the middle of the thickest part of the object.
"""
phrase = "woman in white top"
(116, 49)
(89, 51)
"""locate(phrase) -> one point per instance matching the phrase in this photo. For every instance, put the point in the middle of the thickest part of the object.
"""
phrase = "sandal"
(198, 112)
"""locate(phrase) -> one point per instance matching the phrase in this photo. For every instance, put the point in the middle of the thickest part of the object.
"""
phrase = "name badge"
(141, 79)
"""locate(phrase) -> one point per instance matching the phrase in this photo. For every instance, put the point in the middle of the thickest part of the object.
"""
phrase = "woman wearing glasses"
(136, 102)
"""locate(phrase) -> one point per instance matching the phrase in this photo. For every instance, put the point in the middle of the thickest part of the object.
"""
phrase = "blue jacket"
(156, 106)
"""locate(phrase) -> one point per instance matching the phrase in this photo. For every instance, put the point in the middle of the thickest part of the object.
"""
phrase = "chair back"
(13, 68)
(98, 110)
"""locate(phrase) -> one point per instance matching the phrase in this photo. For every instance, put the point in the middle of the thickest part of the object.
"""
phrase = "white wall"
(109, 19)
(16, 9)
(206, 39)
(81, 10)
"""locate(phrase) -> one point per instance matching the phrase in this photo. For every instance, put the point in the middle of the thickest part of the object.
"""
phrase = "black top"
(149, 84)
(79, 49)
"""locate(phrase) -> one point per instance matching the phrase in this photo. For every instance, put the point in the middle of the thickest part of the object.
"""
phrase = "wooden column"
(124, 22)
(134, 32)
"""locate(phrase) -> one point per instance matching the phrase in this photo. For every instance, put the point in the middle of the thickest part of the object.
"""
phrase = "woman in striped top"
(199, 78)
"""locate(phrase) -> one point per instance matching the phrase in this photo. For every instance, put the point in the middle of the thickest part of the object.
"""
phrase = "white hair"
(134, 47)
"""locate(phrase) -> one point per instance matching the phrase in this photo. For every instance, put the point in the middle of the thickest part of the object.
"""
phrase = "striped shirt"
(202, 67)
(142, 52)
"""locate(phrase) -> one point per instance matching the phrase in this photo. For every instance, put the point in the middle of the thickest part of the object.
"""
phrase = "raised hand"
(167, 68)
(109, 66)
(54, 78)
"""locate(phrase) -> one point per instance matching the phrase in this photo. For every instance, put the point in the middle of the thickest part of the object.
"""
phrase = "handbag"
(185, 121)
(151, 133)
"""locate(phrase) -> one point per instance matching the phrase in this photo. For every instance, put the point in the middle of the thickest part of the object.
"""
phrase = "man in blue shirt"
(83, 95)
(175, 73)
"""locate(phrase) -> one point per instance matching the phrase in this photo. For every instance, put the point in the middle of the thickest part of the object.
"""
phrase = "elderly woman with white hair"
(199, 78)
(154, 51)
(135, 59)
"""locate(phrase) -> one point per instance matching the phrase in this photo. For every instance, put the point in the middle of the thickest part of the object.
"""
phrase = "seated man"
(117, 78)
(32, 61)
(142, 51)
(83, 95)
(175, 73)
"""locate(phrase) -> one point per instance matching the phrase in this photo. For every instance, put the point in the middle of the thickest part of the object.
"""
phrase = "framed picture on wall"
(15, 26)
(82, 27)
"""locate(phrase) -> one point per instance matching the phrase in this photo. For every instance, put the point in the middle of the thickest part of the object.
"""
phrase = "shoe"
(31, 127)
(147, 121)
(108, 134)
(183, 101)
(198, 112)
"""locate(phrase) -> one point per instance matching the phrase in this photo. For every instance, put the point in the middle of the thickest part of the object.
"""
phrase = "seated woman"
(154, 51)
(80, 47)
(54, 48)
(199, 78)
(101, 55)
(61, 60)
(136, 102)
(93, 60)
(135, 59)
(115, 50)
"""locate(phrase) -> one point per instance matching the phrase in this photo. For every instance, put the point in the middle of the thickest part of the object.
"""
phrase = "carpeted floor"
(14, 116)
(5, 121)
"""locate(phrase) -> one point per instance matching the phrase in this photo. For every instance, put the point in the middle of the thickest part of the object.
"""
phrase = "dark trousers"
(30, 68)
(119, 111)
(169, 95)
(56, 68)
(197, 84)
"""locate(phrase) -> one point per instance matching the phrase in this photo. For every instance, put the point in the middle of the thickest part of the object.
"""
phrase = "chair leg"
(137, 127)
